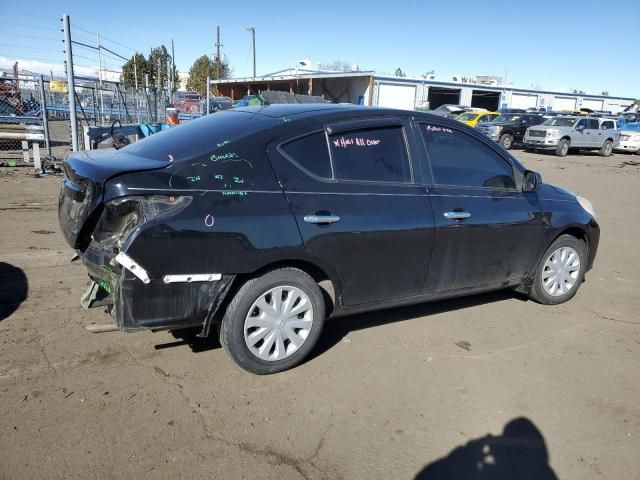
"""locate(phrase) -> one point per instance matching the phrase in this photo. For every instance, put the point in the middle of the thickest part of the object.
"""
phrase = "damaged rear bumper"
(138, 300)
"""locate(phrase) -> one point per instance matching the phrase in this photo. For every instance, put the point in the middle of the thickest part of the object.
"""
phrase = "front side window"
(461, 160)
(581, 124)
(377, 154)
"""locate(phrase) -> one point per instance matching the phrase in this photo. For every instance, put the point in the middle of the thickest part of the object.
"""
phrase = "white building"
(369, 88)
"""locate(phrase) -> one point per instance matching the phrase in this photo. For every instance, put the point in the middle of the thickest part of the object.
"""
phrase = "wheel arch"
(320, 274)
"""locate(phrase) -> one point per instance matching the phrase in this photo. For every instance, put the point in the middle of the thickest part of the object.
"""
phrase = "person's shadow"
(519, 453)
(13, 289)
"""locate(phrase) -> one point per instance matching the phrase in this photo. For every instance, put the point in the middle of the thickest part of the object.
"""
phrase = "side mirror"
(531, 181)
(580, 128)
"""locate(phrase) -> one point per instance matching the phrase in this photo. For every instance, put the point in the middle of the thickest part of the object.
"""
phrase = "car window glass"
(581, 123)
(459, 159)
(374, 154)
(592, 123)
(311, 153)
(483, 118)
(608, 125)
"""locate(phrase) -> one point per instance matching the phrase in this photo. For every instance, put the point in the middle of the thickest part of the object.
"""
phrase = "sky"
(587, 45)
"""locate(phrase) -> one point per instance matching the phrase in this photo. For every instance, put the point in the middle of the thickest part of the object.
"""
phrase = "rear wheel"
(506, 141)
(273, 321)
(560, 271)
(606, 149)
(563, 148)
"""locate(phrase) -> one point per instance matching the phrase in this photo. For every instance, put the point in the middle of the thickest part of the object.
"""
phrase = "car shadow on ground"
(14, 288)
(335, 329)
(518, 453)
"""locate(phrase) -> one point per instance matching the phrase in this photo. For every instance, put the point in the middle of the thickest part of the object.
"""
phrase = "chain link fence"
(35, 116)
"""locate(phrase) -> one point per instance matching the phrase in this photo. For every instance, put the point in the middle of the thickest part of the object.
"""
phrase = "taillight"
(122, 215)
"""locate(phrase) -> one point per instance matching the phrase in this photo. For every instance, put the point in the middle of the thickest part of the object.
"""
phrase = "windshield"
(193, 98)
(508, 117)
(465, 117)
(561, 122)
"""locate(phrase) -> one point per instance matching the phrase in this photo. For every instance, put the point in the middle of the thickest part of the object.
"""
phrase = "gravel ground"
(492, 382)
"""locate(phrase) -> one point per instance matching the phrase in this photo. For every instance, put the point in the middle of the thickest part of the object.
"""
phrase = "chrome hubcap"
(561, 271)
(278, 323)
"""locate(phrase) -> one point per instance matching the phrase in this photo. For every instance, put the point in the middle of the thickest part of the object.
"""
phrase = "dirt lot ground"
(385, 396)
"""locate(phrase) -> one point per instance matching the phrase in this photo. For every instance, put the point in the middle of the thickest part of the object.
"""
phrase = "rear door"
(487, 229)
(360, 206)
(596, 134)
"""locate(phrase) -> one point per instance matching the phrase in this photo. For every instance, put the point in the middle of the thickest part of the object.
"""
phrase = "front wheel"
(560, 271)
(506, 141)
(274, 321)
(606, 149)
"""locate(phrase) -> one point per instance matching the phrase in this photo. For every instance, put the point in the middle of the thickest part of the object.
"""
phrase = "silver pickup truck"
(565, 132)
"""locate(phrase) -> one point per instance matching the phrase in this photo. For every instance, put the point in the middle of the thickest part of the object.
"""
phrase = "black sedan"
(233, 220)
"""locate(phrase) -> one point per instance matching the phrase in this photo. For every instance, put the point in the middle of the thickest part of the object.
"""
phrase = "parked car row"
(556, 131)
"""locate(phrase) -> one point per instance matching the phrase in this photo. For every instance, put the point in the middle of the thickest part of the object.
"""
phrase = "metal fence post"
(71, 83)
(45, 120)
(206, 107)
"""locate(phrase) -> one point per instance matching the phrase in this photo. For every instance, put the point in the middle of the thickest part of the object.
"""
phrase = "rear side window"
(592, 123)
(311, 153)
(376, 154)
(461, 160)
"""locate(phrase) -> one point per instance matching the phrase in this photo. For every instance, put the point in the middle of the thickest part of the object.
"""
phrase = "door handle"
(321, 219)
(456, 215)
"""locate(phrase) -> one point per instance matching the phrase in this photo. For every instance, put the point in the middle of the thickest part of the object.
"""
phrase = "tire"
(506, 141)
(606, 149)
(563, 148)
(243, 341)
(547, 295)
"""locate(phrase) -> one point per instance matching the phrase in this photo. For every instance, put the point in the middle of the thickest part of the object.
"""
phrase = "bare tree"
(337, 66)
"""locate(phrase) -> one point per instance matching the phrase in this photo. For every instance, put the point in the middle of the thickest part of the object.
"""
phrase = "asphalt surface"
(491, 384)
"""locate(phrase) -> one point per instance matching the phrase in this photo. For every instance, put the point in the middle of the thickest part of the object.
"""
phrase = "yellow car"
(473, 118)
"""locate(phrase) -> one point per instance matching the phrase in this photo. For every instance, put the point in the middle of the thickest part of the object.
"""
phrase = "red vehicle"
(187, 102)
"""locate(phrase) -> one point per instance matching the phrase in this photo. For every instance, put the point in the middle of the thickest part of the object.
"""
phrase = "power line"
(31, 37)
(29, 48)
(29, 26)
(103, 37)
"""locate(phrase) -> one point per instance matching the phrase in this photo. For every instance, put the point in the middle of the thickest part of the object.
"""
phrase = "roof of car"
(313, 109)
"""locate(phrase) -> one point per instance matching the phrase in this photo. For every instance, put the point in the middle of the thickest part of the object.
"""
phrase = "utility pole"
(253, 39)
(218, 45)
(173, 66)
(70, 82)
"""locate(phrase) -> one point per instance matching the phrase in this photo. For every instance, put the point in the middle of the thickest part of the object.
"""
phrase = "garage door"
(592, 103)
(564, 103)
(397, 96)
(523, 100)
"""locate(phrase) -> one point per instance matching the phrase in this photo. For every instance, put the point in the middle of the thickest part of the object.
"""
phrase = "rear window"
(203, 136)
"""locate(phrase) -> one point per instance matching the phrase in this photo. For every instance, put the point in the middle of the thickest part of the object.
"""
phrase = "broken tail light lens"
(122, 215)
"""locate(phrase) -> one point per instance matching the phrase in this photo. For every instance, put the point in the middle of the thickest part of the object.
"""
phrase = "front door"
(487, 230)
(360, 207)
